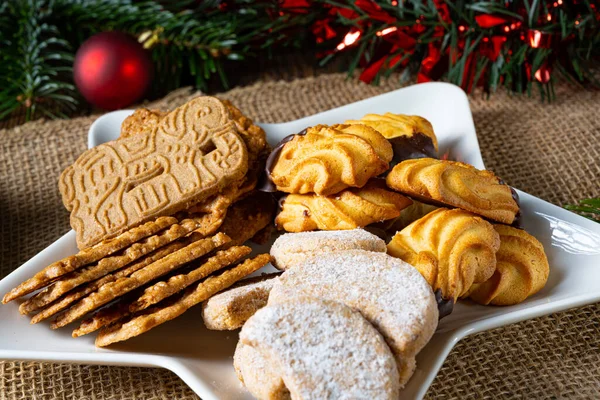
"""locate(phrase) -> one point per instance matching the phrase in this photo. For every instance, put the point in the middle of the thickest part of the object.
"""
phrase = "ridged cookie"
(349, 209)
(521, 271)
(321, 350)
(389, 293)
(411, 136)
(452, 249)
(231, 308)
(292, 248)
(393, 125)
(455, 184)
(326, 160)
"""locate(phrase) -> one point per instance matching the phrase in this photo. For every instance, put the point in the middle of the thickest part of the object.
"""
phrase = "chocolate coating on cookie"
(266, 183)
(445, 306)
(517, 222)
(418, 145)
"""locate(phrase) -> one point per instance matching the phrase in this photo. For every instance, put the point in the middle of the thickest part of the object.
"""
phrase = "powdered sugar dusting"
(323, 349)
(231, 308)
(388, 292)
(292, 248)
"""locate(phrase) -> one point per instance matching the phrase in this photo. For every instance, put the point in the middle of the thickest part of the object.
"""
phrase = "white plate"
(203, 358)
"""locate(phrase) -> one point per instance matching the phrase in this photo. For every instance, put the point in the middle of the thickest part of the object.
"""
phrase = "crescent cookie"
(256, 372)
(329, 159)
(292, 248)
(456, 184)
(349, 209)
(231, 308)
(452, 249)
(521, 271)
(321, 350)
(388, 292)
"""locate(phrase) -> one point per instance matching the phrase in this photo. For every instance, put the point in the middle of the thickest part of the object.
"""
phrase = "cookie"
(90, 287)
(192, 154)
(140, 122)
(124, 285)
(248, 216)
(143, 120)
(325, 160)
(408, 215)
(349, 209)
(231, 308)
(373, 137)
(292, 248)
(161, 290)
(106, 266)
(388, 292)
(455, 184)
(321, 349)
(177, 305)
(88, 256)
(257, 373)
(452, 249)
(521, 271)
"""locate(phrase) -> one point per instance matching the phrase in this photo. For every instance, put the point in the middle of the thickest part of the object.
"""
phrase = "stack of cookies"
(161, 216)
(344, 320)
(456, 224)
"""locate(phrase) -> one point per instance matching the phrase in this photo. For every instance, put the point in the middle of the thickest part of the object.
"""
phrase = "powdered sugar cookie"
(256, 372)
(292, 248)
(388, 292)
(231, 308)
(321, 349)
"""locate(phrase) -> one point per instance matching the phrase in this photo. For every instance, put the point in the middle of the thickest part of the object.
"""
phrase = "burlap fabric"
(551, 151)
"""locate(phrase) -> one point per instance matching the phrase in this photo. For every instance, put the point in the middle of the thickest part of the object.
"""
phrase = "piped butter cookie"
(455, 184)
(349, 209)
(521, 271)
(328, 159)
(452, 249)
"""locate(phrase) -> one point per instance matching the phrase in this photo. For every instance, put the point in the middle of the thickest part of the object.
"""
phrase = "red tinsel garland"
(399, 41)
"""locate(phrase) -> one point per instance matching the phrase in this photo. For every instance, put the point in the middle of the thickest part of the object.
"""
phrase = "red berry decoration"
(112, 70)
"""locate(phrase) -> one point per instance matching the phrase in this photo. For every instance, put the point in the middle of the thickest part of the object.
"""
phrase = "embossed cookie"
(193, 153)
(349, 209)
(452, 249)
(320, 349)
(455, 184)
(292, 248)
(389, 293)
(231, 308)
(521, 271)
(327, 160)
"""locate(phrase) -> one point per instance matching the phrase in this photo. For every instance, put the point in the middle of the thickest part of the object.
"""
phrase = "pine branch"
(589, 208)
(36, 65)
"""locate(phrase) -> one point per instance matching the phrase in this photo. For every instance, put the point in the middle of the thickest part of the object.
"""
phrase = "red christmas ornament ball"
(112, 70)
